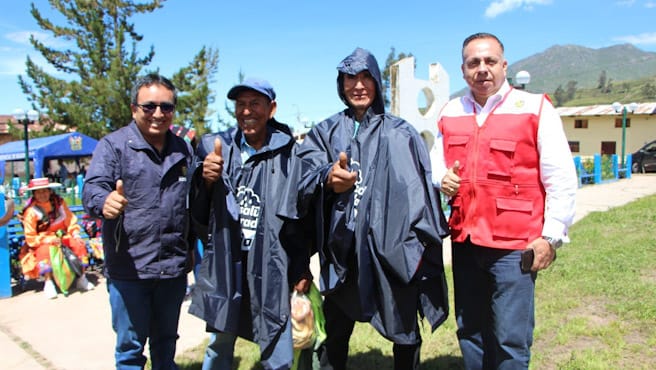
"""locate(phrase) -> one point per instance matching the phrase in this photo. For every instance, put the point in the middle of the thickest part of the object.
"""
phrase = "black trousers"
(333, 353)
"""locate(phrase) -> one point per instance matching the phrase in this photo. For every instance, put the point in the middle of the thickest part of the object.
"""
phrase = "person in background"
(137, 184)
(45, 213)
(365, 176)
(63, 173)
(253, 258)
(503, 158)
(10, 208)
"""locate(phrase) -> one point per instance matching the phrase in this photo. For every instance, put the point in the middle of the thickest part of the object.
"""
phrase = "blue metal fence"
(601, 169)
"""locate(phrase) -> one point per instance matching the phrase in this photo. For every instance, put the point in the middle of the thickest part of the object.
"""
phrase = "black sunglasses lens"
(167, 107)
(151, 107)
(148, 108)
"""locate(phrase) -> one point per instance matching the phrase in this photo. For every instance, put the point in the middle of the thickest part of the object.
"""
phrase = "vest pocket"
(511, 212)
(457, 150)
(500, 161)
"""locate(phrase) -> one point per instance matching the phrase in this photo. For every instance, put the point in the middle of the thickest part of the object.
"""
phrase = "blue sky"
(296, 44)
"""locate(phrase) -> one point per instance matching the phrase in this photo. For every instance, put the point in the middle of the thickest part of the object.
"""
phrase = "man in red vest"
(502, 156)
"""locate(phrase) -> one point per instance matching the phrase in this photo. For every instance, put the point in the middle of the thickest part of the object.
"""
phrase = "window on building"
(580, 123)
(618, 122)
(608, 147)
(574, 146)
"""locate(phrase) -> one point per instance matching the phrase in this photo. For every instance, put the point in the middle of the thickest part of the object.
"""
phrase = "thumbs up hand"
(119, 187)
(115, 202)
(340, 178)
(213, 164)
(451, 181)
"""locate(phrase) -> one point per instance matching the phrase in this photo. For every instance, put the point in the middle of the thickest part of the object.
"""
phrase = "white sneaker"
(83, 284)
(49, 289)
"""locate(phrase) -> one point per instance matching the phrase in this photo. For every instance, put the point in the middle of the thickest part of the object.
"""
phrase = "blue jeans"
(219, 354)
(494, 305)
(146, 309)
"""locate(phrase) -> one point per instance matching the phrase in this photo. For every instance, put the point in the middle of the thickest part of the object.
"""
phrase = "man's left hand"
(303, 285)
(544, 254)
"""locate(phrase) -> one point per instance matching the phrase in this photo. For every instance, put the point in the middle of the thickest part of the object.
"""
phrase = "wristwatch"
(553, 242)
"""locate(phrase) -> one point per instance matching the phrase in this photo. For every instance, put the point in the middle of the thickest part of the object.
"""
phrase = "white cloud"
(625, 2)
(23, 38)
(13, 54)
(647, 38)
(13, 63)
(650, 4)
(12, 66)
(503, 6)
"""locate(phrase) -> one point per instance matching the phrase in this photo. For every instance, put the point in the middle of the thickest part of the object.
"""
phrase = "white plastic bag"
(303, 332)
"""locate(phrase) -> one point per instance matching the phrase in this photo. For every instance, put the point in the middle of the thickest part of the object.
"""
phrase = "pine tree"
(560, 96)
(194, 93)
(101, 64)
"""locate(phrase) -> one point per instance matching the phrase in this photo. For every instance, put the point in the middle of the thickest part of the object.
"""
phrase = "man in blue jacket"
(137, 183)
(365, 177)
(253, 258)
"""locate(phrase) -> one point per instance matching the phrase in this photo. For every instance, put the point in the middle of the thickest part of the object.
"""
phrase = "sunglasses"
(149, 108)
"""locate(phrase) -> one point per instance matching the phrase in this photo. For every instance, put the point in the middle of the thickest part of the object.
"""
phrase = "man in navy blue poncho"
(364, 176)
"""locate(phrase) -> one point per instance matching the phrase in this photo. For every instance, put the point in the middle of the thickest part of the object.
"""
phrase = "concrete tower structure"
(407, 92)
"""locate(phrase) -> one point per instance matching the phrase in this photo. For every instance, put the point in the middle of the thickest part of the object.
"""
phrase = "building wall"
(602, 128)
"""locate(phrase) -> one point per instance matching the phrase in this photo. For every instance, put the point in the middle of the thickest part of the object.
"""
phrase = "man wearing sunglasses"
(137, 183)
(253, 258)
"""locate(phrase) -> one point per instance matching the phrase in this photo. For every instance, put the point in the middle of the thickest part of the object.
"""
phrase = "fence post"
(616, 169)
(597, 168)
(80, 185)
(5, 258)
(579, 171)
(629, 166)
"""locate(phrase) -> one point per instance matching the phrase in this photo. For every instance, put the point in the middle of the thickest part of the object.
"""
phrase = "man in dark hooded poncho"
(365, 177)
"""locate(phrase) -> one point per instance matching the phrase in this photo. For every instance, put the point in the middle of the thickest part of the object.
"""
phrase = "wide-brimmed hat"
(42, 183)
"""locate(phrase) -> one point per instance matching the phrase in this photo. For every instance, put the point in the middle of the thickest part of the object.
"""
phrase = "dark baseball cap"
(259, 85)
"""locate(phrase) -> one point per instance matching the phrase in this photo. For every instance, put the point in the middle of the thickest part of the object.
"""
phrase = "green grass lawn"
(595, 306)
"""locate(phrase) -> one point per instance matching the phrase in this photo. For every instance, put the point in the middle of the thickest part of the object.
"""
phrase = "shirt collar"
(246, 149)
(491, 101)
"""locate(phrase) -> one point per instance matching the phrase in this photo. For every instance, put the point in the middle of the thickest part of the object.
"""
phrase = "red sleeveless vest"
(500, 203)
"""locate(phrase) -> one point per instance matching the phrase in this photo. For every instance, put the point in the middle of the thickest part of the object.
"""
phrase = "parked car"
(644, 160)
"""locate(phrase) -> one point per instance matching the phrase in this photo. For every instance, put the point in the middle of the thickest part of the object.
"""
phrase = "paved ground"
(74, 332)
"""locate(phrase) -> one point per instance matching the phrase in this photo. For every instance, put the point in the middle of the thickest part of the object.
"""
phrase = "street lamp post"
(25, 118)
(522, 78)
(618, 107)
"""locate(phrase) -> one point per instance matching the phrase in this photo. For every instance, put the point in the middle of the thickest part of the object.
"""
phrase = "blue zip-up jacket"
(150, 239)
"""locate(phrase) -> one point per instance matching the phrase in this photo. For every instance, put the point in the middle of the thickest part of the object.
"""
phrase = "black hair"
(481, 35)
(152, 79)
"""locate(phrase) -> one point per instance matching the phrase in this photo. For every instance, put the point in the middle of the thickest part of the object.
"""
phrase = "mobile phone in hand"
(527, 260)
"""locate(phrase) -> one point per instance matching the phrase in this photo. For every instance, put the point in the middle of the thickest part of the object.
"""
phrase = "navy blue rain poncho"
(380, 243)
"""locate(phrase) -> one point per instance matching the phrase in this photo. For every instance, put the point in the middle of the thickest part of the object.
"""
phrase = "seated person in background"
(44, 214)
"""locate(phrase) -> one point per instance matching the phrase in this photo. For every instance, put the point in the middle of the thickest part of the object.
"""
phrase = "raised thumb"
(119, 187)
(217, 146)
(343, 160)
(456, 167)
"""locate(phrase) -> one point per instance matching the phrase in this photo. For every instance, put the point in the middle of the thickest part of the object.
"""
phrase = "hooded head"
(361, 60)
